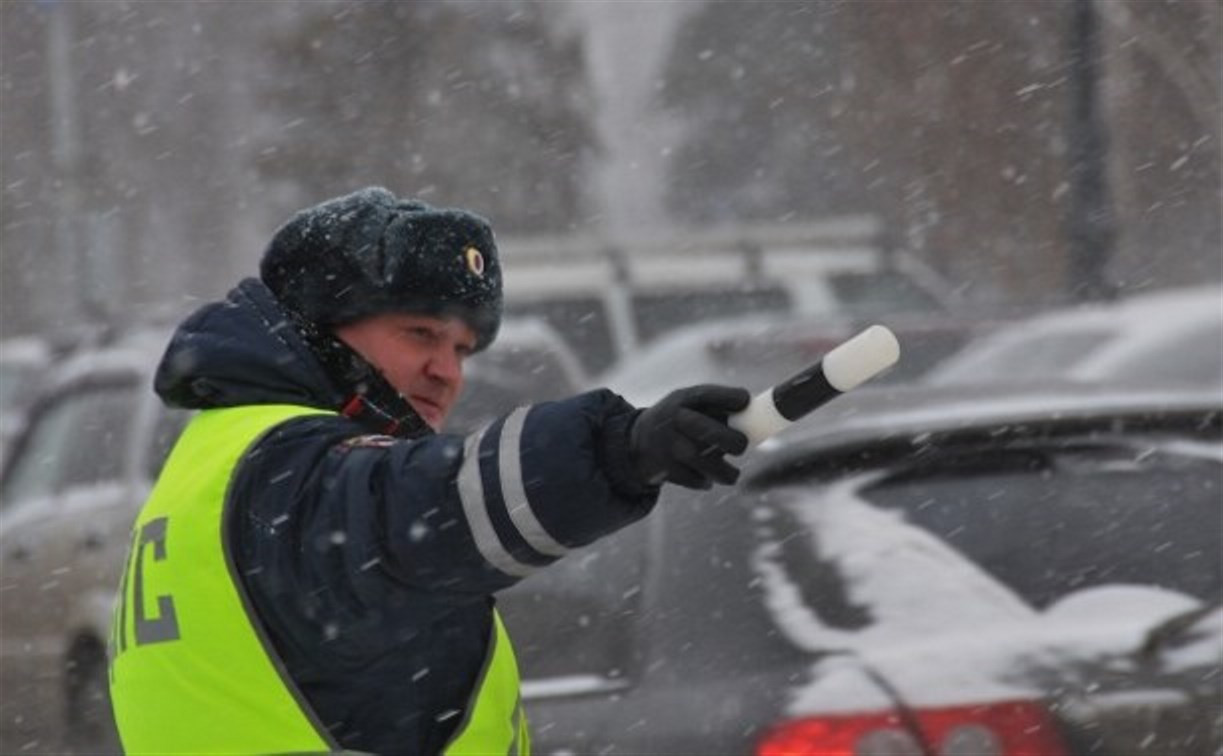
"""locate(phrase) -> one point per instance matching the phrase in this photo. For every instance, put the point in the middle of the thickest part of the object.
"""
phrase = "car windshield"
(16, 378)
(868, 295)
(1184, 356)
(77, 441)
(1022, 356)
(1156, 338)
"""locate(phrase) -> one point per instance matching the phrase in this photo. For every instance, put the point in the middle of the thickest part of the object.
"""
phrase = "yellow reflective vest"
(191, 670)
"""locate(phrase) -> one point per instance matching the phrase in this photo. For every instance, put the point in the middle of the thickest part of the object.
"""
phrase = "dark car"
(908, 571)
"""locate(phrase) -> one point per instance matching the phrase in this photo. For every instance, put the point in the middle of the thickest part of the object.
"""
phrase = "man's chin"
(433, 416)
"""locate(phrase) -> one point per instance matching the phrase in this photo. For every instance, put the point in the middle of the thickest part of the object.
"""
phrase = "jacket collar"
(247, 349)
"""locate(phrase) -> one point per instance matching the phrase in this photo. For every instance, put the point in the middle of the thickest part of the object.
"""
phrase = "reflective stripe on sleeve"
(514, 492)
(471, 494)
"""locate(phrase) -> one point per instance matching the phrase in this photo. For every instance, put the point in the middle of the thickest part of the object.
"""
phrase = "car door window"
(79, 439)
(33, 471)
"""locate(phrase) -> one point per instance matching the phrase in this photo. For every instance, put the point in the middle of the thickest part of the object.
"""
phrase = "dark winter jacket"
(372, 561)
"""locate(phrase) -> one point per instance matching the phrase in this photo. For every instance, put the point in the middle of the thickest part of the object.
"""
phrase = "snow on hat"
(369, 253)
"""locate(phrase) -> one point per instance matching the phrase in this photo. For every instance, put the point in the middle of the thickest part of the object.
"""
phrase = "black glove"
(684, 437)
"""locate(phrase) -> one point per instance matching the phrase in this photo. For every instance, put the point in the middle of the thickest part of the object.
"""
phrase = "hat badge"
(475, 260)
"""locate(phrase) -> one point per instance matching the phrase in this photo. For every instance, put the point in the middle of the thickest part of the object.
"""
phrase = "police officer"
(315, 567)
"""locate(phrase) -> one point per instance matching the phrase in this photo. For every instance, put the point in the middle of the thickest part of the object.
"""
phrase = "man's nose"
(446, 365)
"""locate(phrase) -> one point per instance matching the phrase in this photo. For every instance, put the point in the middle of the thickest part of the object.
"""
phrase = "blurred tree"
(758, 82)
(150, 148)
(181, 133)
(126, 141)
(478, 104)
(1163, 77)
(936, 116)
(951, 120)
(1091, 223)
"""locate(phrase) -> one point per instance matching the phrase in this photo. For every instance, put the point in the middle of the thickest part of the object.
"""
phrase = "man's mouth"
(429, 409)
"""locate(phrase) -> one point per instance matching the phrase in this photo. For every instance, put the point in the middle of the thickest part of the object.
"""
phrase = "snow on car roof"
(134, 352)
(25, 349)
(1004, 661)
(888, 565)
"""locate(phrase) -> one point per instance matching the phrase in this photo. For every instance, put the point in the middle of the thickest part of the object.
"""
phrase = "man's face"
(421, 356)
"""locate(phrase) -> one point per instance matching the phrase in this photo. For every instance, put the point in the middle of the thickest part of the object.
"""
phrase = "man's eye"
(420, 336)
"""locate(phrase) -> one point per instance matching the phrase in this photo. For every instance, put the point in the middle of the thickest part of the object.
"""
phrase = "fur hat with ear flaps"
(369, 253)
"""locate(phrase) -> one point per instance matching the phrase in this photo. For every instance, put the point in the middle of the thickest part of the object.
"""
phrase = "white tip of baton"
(861, 358)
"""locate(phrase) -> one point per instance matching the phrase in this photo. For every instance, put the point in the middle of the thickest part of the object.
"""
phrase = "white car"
(71, 487)
(757, 351)
(1173, 335)
(611, 297)
(22, 365)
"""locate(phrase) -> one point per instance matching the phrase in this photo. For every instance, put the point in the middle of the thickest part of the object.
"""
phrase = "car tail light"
(1012, 728)
(847, 735)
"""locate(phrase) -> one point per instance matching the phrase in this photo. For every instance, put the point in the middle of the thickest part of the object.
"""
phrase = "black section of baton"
(802, 393)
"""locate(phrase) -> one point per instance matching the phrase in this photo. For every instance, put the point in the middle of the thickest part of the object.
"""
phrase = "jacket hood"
(242, 350)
